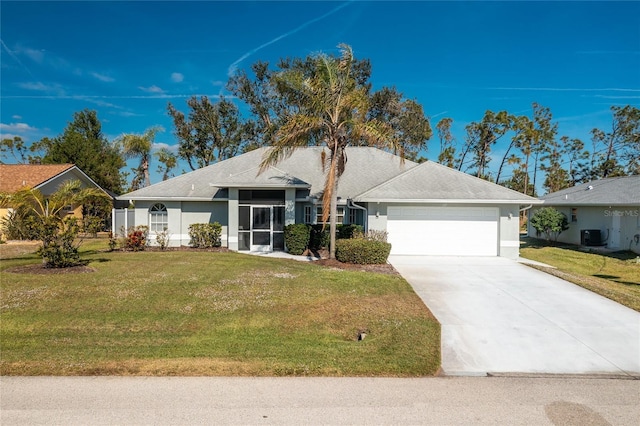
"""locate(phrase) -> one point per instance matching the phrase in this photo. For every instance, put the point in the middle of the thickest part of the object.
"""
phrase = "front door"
(614, 237)
(261, 228)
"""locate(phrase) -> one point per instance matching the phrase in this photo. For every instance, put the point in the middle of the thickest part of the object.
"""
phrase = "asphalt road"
(308, 401)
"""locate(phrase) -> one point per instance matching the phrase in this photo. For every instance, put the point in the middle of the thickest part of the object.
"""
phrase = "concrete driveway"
(499, 316)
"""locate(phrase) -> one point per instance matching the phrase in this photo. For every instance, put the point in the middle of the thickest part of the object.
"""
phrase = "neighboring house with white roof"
(603, 212)
(425, 208)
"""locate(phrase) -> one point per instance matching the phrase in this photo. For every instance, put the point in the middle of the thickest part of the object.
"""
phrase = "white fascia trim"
(564, 203)
(172, 199)
(443, 201)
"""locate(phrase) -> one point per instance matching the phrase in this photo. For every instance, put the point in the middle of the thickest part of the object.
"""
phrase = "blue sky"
(127, 60)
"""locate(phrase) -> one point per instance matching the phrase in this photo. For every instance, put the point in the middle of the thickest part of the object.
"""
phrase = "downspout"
(351, 205)
(522, 211)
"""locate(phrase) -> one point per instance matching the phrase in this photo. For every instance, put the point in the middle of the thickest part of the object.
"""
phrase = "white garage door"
(444, 231)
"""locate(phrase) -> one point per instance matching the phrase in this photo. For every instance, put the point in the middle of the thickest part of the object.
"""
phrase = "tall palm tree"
(139, 146)
(331, 111)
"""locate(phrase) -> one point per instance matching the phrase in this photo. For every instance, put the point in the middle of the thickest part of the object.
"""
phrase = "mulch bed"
(40, 269)
(379, 269)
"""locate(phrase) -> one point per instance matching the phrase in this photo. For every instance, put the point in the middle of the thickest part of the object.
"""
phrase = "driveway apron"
(499, 316)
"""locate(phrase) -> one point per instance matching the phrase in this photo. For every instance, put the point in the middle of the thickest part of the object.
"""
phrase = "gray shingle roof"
(615, 191)
(366, 167)
(371, 175)
(433, 182)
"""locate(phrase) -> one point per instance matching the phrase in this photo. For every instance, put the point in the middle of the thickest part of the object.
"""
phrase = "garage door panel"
(443, 230)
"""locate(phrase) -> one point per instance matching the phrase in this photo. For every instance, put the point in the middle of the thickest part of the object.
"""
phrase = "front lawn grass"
(201, 313)
(613, 275)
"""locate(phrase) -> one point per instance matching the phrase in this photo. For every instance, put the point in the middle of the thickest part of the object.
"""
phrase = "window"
(158, 218)
(339, 218)
(574, 214)
(307, 214)
(353, 216)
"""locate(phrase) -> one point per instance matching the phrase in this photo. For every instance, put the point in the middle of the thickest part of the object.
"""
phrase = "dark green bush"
(205, 235)
(348, 231)
(362, 251)
(58, 248)
(319, 238)
(296, 238)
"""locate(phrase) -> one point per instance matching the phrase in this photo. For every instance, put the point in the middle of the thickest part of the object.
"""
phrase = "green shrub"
(20, 224)
(550, 222)
(319, 237)
(205, 235)
(362, 251)
(296, 238)
(58, 249)
(348, 231)
(163, 239)
(92, 225)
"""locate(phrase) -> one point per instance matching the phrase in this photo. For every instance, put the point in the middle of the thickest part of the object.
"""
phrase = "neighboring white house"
(603, 212)
(425, 208)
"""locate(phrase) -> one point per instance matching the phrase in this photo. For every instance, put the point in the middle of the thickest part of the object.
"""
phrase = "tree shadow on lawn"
(615, 279)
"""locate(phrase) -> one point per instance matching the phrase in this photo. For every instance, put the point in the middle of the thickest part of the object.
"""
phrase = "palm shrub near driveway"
(550, 222)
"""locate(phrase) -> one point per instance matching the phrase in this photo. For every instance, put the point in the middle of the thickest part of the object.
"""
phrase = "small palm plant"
(56, 231)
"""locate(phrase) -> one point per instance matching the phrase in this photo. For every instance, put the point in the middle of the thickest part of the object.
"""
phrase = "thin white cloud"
(617, 97)
(102, 77)
(151, 89)
(85, 97)
(15, 57)
(234, 66)
(33, 54)
(157, 146)
(16, 117)
(177, 77)
(218, 83)
(42, 87)
(16, 127)
(4, 136)
(566, 89)
(439, 114)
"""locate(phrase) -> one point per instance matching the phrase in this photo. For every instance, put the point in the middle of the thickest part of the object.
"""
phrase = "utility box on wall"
(591, 237)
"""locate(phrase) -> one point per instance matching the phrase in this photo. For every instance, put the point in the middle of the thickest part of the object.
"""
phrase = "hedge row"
(362, 251)
(299, 237)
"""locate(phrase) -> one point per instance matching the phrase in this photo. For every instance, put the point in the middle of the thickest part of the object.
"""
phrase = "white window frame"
(353, 216)
(308, 218)
(339, 217)
(158, 218)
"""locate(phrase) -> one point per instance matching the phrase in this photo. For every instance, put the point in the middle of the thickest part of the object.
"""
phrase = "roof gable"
(433, 182)
(14, 177)
(615, 191)
(366, 167)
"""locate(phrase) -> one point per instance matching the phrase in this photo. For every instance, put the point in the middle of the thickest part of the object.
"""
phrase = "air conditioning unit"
(591, 237)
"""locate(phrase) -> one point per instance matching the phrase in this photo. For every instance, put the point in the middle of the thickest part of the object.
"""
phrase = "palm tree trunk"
(332, 218)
